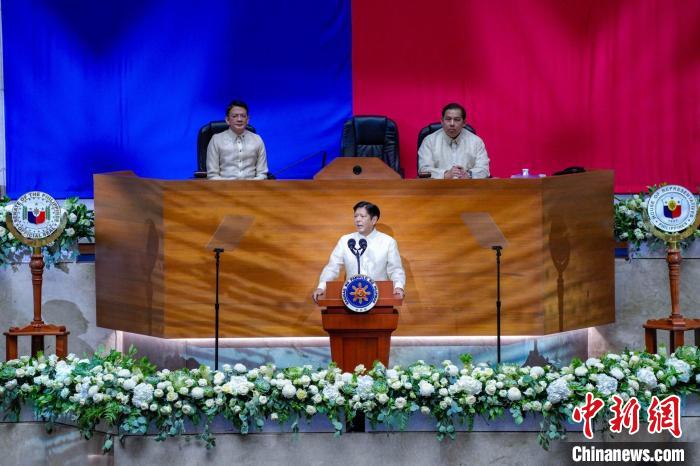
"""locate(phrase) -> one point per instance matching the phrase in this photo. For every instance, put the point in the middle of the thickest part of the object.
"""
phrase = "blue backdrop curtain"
(94, 87)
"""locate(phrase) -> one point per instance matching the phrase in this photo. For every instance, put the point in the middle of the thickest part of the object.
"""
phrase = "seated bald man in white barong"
(380, 261)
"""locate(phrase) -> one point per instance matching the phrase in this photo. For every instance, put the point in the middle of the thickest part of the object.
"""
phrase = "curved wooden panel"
(156, 277)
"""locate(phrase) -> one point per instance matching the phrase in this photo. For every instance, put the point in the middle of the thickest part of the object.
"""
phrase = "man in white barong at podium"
(380, 261)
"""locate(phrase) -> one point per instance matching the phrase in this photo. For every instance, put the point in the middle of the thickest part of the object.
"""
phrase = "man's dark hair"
(454, 106)
(371, 209)
(236, 103)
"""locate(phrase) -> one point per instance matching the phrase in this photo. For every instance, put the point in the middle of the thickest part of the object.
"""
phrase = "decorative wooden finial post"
(36, 220)
(672, 216)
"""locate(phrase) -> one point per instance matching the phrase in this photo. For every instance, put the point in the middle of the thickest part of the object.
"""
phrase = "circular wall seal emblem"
(36, 215)
(672, 208)
(360, 293)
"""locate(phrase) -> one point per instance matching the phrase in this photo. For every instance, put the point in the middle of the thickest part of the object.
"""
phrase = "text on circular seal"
(360, 293)
(36, 215)
(672, 208)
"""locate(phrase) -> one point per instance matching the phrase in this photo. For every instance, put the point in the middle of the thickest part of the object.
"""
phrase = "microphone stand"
(498, 302)
(217, 254)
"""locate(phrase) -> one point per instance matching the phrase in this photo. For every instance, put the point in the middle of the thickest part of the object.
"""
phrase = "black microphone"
(363, 246)
(351, 245)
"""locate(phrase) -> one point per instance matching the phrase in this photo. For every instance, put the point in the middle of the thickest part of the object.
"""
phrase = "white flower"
(274, 416)
(129, 384)
(209, 403)
(171, 396)
(400, 402)
(647, 377)
(288, 391)
(72, 218)
(451, 370)
(606, 385)
(301, 394)
(536, 406)
(197, 393)
(425, 410)
(681, 367)
(262, 400)
(425, 388)
(502, 393)
(617, 373)
(514, 394)
(63, 371)
(382, 398)
(558, 390)
(166, 409)
(331, 392)
(186, 409)
(123, 373)
(240, 368)
(364, 386)
(219, 378)
(317, 398)
(536, 372)
(2, 231)
(359, 368)
(69, 231)
(491, 387)
(580, 371)
(202, 382)
(143, 393)
(183, 391)
(311, 410)
(471, 399)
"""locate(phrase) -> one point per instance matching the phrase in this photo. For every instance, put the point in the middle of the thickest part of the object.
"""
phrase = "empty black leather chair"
(430, 129)
(372, 136)
(203, 137)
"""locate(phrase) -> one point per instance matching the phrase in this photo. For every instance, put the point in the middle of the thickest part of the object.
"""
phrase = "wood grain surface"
(155, 275)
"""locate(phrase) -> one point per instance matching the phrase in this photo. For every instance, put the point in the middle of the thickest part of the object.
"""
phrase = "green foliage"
(130, 396)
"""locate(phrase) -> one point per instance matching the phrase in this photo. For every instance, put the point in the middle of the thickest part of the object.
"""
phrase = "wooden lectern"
(359, 338)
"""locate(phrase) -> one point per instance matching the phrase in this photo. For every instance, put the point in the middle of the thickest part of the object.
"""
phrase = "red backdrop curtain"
(547, 83)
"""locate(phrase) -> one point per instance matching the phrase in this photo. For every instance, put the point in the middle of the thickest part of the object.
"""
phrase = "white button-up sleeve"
(332, 269)
(481, 163)
(394, 269)
(213, 170)
(261, 165)
(427, 159)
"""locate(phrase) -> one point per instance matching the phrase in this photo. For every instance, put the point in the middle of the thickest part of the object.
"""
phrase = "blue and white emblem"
(360, 293)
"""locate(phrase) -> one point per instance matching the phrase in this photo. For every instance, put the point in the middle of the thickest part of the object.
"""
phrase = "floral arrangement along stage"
(80, 225)
(629, 220)
(129, 395)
